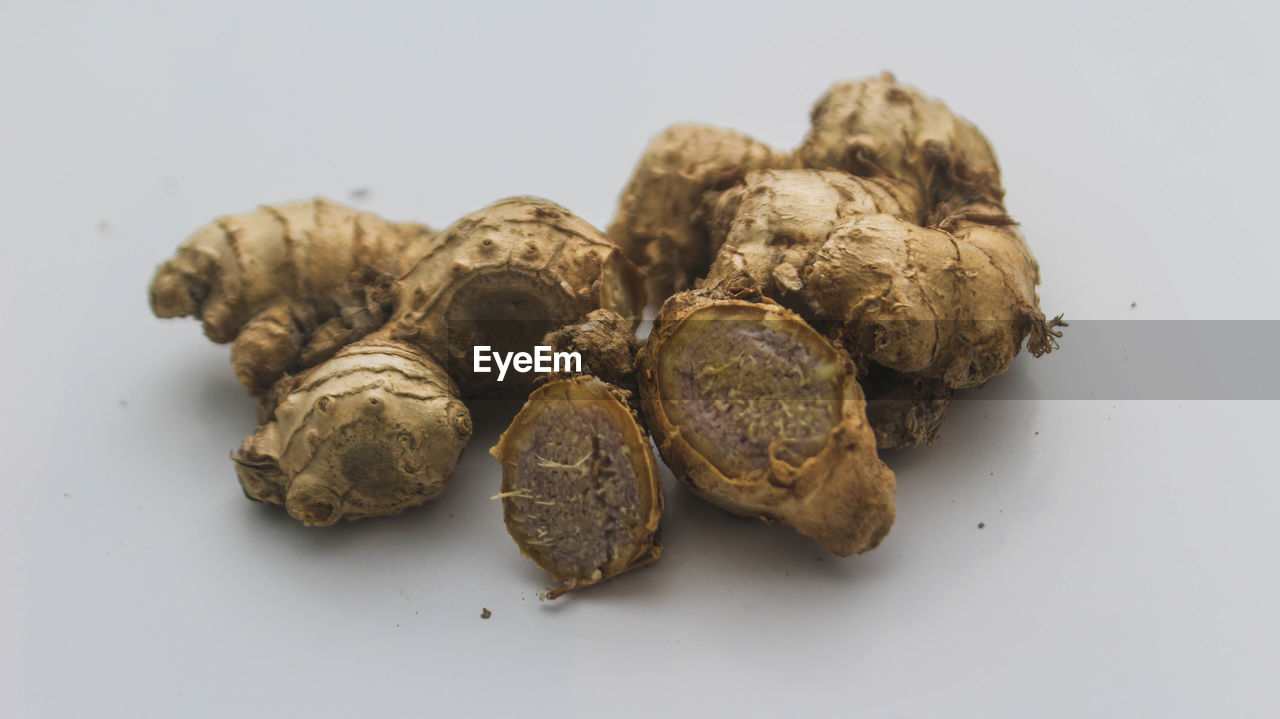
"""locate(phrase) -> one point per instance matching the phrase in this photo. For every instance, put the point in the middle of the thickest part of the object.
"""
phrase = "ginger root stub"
(762, 416)
(581, 493)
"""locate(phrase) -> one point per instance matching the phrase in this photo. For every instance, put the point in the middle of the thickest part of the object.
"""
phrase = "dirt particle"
(1133, 305)
(360, 194)
(485, 613)
(981, 525)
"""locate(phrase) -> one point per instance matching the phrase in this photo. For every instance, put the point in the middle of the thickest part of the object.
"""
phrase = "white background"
(1127, 564)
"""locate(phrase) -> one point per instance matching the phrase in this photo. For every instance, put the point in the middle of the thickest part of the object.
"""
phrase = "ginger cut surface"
(581, 493)
(760, 415)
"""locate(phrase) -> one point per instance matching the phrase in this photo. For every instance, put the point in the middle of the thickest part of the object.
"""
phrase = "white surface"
(1127, 565)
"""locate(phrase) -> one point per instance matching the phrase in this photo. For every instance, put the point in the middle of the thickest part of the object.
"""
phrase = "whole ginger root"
(885, 230)
(355, 334)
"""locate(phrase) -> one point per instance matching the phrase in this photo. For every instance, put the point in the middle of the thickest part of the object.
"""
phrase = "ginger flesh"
(355, 334)
(762, 416)
(745, 388)
(580, 487)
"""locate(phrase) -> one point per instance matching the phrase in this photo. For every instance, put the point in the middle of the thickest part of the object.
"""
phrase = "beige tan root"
(581, 493)
(371, 432)
(709, 366)
(288, 284)
(377, 427)
(656, 222)
(504, 276)
(885, 229)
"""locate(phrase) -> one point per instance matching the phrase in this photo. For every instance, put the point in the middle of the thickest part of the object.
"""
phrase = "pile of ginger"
(815, 307)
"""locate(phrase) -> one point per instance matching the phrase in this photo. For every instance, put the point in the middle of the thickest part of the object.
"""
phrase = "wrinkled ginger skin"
(879, 127)
(833, 488)
(930, 303)
(771, 226)
(606, 343)
(656, 222)
(847, 252)
(567, 503)
(352, 331)
(886, 230)
(289, 284)
(504, 276)
(904, 412)
(373, 431)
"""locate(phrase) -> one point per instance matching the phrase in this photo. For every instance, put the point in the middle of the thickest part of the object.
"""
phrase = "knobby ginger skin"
(374, 430)
(287, 285)
(885, 229)
(656, 222)
(505, 276)
(354, 333)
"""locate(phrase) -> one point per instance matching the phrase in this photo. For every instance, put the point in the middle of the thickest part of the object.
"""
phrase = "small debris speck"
(360, 193)
(66, 495)
(124, 403)
(1133, 305)
(485, 613)
(981, 525)
(1037, 434)
(104, 226)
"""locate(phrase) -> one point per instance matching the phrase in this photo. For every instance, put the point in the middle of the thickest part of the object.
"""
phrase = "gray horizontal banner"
(1150, 359)
(1096, 360)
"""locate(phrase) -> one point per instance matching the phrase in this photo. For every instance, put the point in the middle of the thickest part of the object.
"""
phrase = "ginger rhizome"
(287, 285)
(581, 494)
(762, 416)
(355, 334)
(885, 230)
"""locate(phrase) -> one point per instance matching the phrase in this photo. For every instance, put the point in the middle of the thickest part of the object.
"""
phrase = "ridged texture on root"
(373, 431)
(762, 416)
(885, 229)
(656, 223)
(581, 493)
(355, 427)
(606, 343)
(904, 412)
(289, 284)
(504, 276)
(878, 127)
(770, 226)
